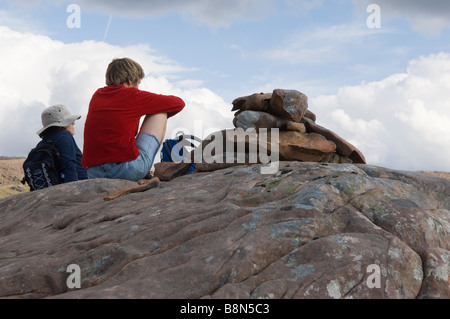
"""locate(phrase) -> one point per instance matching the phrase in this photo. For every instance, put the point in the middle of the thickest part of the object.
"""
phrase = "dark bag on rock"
(42, 167)
(173, 150)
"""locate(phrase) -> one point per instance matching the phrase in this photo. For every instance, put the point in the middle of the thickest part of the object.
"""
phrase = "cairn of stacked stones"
(300, 138)
(256, 117)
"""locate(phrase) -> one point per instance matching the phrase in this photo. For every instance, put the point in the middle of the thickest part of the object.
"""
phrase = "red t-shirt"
(113, 122)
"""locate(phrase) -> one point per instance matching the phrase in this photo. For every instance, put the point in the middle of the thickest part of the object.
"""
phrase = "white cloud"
(434, 126)
(41, 72)
(402, 121)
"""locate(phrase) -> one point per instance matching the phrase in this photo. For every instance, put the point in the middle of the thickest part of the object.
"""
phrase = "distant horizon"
(6, 158)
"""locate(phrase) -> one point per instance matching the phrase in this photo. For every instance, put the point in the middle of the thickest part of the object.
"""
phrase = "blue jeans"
(147, 145)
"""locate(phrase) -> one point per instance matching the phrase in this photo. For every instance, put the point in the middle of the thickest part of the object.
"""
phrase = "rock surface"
(309, 231)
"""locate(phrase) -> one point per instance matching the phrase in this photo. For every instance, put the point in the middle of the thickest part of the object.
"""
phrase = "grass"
(11, 173)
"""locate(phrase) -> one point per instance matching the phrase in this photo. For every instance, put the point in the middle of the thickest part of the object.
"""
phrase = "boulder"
(296, 127)
(288, 104)
(256, 102)
(310, 115)
(167, 171)
(294, 146)
(311, 230)
(343, 148)
(258, 120)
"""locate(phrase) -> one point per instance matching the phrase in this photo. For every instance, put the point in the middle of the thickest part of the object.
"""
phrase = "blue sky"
(384, 89)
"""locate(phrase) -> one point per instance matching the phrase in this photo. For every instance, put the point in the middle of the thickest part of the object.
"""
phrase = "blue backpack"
(173, 150)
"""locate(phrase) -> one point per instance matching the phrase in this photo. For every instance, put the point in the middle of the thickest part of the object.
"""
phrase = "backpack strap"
(57, 159)
(167, 148)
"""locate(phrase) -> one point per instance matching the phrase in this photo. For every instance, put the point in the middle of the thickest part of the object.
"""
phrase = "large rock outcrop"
(309, 231)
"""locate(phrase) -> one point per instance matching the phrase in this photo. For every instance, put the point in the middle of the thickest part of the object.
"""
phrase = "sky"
(376, 72)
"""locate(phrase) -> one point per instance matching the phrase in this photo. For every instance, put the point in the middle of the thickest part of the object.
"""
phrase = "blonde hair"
(121, 71)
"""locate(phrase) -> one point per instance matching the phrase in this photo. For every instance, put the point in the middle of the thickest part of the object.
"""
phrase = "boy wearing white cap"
(58, 127)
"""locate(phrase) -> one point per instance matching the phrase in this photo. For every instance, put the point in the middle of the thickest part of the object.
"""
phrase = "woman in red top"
(114, 147)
